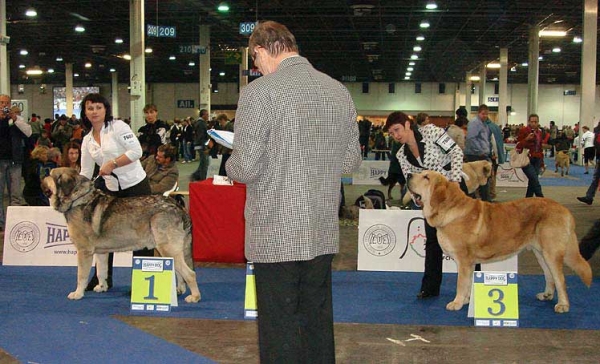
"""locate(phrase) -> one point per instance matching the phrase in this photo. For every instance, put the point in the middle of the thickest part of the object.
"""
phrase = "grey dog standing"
(100, 224)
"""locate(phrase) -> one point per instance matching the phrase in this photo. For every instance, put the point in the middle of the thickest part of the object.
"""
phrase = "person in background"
(202, 145)
(36, 130)
(427, 148)
(54, 157)
(33, 175)
(44, 139)
(14, 131)
(591, 191)
(478, 144)
(290, 237)
(62, 132)
(161, 170)
(364, 129)
(153, 134)
(71, 156)
(225, 152)
(112, 146)
(422, 119)
(498, 155)
(587, 143)
(533, 138)
(187, 138)
(175, 137)
(553, 131)
(77, 135)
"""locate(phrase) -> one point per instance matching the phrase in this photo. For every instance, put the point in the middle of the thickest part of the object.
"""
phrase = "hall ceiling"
(361, 40)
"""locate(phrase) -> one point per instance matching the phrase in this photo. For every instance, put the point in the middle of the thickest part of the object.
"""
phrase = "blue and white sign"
(161, 31)
(192, 49)
(185, 104)
(246, 28)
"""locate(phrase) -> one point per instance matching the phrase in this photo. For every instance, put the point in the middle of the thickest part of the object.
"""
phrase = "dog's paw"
(454, 306)
(561, 308)
(192, 299)
(543, 296)
(75, 295)
(101, 288)
(181, 289)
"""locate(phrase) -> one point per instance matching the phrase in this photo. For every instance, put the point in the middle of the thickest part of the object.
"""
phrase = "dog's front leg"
(463, 286)
(101, 272)
(84, 263)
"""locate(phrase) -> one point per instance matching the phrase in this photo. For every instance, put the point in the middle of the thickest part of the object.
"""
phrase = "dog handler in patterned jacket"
(295, 135)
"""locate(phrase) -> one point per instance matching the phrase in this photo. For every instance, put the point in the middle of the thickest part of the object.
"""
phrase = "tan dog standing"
(473, 231)
(563, 162)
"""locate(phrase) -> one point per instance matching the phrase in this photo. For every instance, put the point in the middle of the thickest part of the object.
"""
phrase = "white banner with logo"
(507, 176)
(394, 240)
(369, 172)
(38, 235)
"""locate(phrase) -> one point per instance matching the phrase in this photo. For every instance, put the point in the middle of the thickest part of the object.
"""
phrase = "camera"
(6, 110)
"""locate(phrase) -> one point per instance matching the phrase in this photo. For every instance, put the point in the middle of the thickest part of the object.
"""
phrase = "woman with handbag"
(532, 137)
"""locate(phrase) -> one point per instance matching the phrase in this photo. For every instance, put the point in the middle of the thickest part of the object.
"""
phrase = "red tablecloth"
(217, 214)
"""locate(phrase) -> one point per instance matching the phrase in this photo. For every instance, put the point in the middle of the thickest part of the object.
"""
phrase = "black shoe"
(586, 172)
(585, 200)
(424, 294)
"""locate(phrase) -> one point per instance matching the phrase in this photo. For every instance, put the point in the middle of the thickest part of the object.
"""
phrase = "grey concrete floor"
(236, 341)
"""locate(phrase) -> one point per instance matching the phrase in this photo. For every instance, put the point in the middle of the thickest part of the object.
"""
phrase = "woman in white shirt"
(587, 142)
(114, 148)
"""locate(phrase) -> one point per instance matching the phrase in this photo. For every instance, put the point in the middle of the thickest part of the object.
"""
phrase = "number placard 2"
(153, 284)
(496, 299)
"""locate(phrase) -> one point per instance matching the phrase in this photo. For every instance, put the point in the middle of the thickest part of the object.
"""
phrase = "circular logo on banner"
(24, 236)
(379, 240)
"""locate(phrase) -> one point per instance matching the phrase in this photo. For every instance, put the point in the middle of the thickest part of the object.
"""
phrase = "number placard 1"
(496, 299)
(153, 284)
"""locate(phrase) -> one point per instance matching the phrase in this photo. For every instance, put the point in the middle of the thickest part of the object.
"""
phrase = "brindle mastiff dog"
(99, 224)
(473, 231)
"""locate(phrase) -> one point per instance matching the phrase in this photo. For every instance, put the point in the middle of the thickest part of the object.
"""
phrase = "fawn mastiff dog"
(99, 224)
(473, 231)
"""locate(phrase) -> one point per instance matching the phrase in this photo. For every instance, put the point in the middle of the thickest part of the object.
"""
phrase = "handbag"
(519, 160)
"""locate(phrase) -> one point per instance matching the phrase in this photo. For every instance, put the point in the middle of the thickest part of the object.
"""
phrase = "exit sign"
(185, 104)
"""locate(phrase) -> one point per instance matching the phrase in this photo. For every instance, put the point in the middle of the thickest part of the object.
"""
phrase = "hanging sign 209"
(161, 31)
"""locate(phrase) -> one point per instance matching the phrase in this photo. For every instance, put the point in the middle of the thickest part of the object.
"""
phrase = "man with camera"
(14, 131)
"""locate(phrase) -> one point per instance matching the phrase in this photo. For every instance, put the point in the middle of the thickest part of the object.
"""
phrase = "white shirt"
(115, 140)
(587, 139)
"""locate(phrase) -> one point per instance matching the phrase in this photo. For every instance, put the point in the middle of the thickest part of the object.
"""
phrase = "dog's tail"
(384, 181)
(578, 263)
(187, 241)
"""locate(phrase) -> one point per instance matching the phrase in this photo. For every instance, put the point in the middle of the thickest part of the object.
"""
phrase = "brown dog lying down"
(472, 231)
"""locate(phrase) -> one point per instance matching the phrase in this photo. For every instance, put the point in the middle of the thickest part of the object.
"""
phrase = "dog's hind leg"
(463, 285)
(84, 263)
(555, 264)
(101, 272)
(189, 276)
(548, 294)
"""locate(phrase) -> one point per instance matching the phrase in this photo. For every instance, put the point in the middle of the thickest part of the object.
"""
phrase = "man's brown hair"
(274, 37)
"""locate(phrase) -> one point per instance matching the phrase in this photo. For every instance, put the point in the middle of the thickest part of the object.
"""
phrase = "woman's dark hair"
(398, 117)
(96, 99)
(421, 117)
(461, 121)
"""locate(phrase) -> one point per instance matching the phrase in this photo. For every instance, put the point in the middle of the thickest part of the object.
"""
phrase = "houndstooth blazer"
(295, 135)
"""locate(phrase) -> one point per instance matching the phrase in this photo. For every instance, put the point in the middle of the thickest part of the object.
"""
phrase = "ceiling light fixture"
(88, 65)
(493, 65)
(30, 12)
(76, 75)
(424, 24)
(192, 64)
(148, 50)
(172, 58)
(417, 48)
(552, 33)
(410, 69)
(36, 71)
(59, 59)
(221, 74)
(119, 40)
(420, 38)
(411, 63)
(577, 39)
(79, 28)
(475, 78)
(556, 50)
(431, 5)
(112, 70)
(541, 58)
(23, 52)
(408, 73)
(414, 56)
(21, 66)
(127, 57)
(223, 7)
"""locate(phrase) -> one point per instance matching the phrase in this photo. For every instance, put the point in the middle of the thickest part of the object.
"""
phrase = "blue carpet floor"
(39, 324)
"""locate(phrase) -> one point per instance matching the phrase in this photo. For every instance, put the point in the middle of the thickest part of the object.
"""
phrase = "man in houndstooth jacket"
(295, 135)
